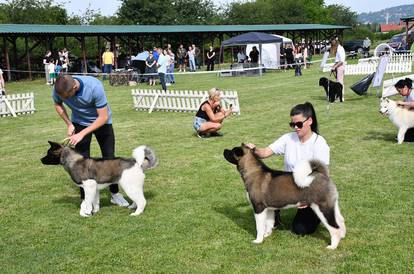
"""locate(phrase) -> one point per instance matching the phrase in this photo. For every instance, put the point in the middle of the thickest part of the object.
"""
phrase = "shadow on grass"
(323, 98)
(244, 218)
(104, 198)
(378, 135)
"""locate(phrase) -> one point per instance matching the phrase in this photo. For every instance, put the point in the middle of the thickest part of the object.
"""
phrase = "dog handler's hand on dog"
(71, 130)
(76, 138)
(261, 152)
(100, 121)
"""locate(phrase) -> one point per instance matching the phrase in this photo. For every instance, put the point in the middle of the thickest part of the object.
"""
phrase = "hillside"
(394, 13)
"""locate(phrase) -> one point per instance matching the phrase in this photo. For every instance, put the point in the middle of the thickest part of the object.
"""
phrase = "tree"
(341, 15)
(32, 12)
(146, 12)
(276, 12)
(194, 12)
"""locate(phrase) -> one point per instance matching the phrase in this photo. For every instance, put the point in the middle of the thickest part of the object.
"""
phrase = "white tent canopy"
(270, 52)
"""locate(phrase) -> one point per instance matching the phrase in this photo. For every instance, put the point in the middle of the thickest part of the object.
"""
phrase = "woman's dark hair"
(307, 111)
(404, 82)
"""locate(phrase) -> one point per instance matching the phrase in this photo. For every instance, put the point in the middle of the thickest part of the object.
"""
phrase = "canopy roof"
(251, 38)
(33, 29)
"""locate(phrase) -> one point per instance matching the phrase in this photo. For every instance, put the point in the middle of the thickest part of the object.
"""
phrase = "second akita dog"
(95, 174)
(269, 189)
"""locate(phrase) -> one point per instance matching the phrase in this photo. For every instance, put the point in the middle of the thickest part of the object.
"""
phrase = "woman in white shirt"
(303, 144)
(405, 89)
(339, 66)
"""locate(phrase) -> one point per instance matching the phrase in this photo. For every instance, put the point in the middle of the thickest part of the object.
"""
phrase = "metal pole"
(6, 57)
(260, 62)
(28, 58)
(85, 65)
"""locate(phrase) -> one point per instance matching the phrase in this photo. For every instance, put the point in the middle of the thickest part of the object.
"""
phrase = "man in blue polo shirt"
(86, 98)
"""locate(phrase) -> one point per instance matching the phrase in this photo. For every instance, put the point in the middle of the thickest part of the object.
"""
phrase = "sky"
(109, 7)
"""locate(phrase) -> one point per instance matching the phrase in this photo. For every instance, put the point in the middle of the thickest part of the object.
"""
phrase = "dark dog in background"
(333, 89)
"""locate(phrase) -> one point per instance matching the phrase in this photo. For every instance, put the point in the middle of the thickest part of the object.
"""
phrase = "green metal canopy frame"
(46, 34)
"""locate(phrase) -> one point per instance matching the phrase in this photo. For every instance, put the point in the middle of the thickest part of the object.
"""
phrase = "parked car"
(397, 41)
(77, 66)
(354, 45)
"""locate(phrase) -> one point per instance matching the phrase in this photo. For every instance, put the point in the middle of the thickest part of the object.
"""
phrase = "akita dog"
(269, 189)
(95, 174)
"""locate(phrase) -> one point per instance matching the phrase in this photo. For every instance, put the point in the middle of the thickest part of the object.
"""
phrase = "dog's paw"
(258, 241)
(95, 209)
(85, 209)
(84, 214)
(268, 233)
(137, 212)
(132, 206)
(331, 247)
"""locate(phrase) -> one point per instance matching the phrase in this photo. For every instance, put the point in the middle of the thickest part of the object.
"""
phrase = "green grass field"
(197, 218)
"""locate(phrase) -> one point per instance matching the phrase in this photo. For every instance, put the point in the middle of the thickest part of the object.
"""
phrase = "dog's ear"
(54, 145)
(229, 156)
(238, 151)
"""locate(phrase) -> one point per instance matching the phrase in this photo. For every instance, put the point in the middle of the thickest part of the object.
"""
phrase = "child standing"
(52, 73)
(58, 68)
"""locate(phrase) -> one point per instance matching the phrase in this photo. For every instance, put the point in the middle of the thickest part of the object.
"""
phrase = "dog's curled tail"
(145, 157)
(304, 169)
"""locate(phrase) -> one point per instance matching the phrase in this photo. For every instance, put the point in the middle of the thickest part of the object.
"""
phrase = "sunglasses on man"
(298, 124)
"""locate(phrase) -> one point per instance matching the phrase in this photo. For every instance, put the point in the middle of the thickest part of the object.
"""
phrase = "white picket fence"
(179, 100)
(17, 104)
(388, 88)
(395, 58)
(397, 63)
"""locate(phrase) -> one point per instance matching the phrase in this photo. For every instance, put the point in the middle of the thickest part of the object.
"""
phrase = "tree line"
(181, 12)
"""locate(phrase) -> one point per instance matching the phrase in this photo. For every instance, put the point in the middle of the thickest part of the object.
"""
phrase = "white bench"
(388, 88)
(179, 100)
(16, 104)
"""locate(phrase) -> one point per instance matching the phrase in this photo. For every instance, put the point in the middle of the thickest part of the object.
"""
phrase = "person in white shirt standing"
(339, 66)
(162, 63)
(303, 144)
(2, 87)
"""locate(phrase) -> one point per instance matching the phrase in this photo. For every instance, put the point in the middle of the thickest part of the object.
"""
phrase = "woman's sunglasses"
(297, 124)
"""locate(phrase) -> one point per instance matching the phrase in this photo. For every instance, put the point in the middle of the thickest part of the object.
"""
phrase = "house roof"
(60, 30)
(390, 27)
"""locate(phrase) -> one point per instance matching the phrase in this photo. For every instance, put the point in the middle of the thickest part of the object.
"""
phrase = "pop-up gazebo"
(251, 38)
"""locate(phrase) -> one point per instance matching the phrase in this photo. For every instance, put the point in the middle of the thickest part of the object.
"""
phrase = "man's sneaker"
(118, 199)
(168, 84)
(200, 135)
(216, 134)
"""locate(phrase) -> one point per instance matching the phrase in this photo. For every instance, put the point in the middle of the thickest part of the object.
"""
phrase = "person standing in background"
(196, 56)
(181, 53)
(191, 58)
(339, 66)
(46, 60)
(108, 59)
(211, 56)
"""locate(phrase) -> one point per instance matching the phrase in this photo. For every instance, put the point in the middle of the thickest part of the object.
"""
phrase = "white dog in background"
(401, 117)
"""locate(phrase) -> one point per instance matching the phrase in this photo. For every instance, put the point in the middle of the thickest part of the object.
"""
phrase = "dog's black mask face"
(323, 81)
(233, 156)
(53, 154)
